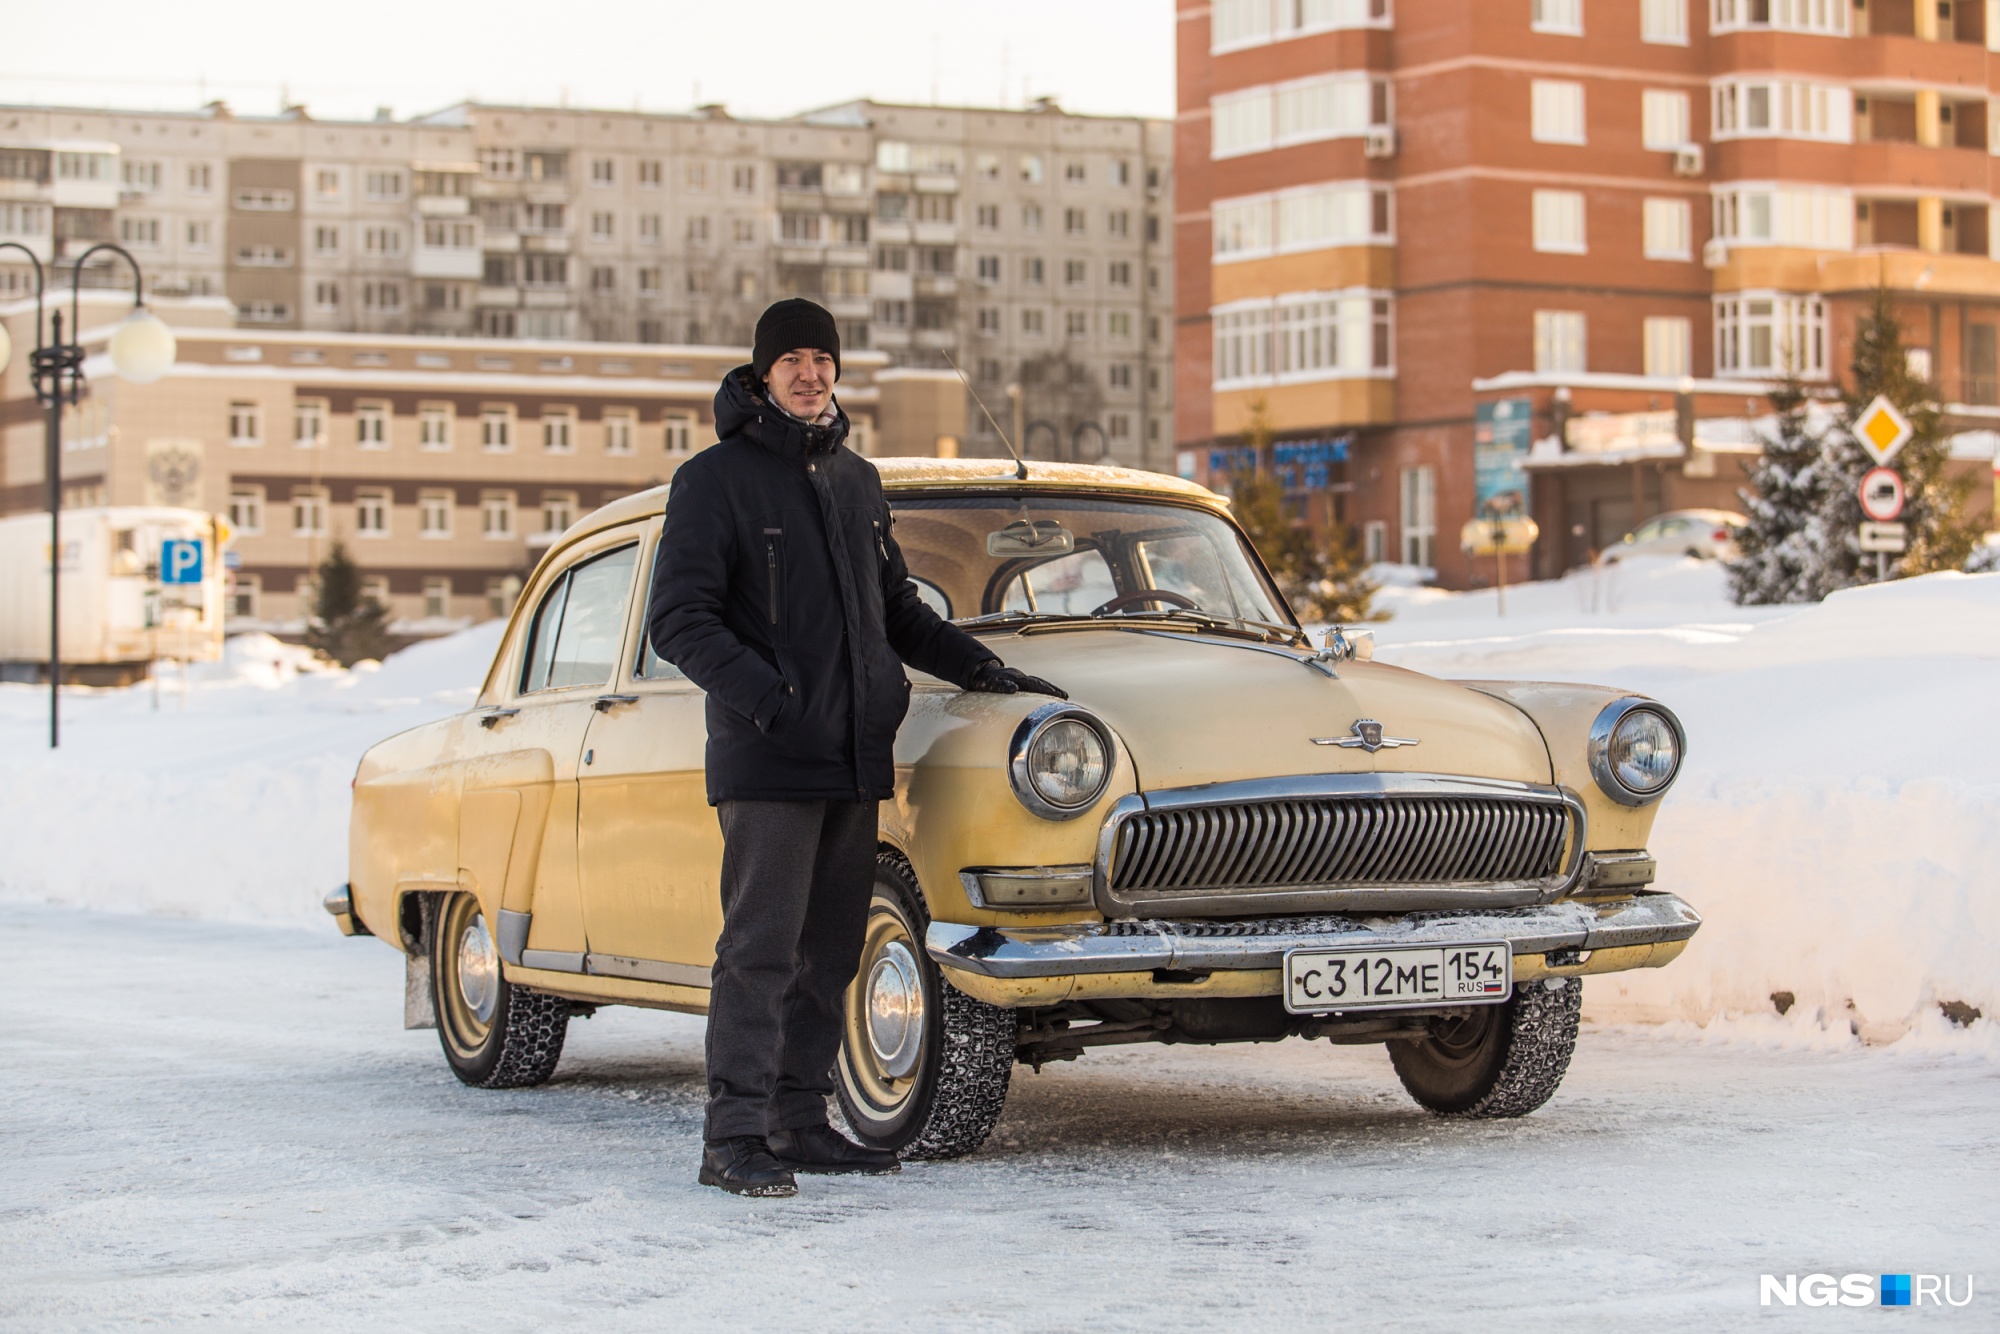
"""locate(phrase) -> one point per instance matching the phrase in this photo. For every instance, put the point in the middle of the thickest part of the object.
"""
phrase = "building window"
(1302, 336)
(143, 233)
(264, 256)
(1557, 111)
(437, 598)
(496, 515)
(1031, 217)
(245, 424)
(603, 171)
(1663, 119)
(1669, 344)
(371, 513)
(434, 426)
(649, 279)
(1769, 333)
(383, 186)
(1819, 218)
(264, 201)
(743, 180)
(1119, 273)
(989, 268)
(1665, 22)
(545, 270)
(1559, 222)
(308, 512)
(1119, 375)
(1075, 272)
(371, 425)
(434, 514)
(245, 591)
(309, 423)
(989, 320)
(1032, 322)
(326, 240)
(603, 278)
(1821, 16)
(1076, 324)
(987, 217)
(799, 228)
(649, 174)
(679, 433)
(382, 296)
(1559, 342)
(200, 235)
(559, 432)
(1419, 517)
(1031, 271)
(246, 509)
(1312, 217)
(200, 178)
(1558, 16)
(1781, 109)
(558, 511)
(1118, 325)
(697, 230)
(1374, 541)
(619, 428)
(1240, 23)
(1668, 229)
(1328, 106)
(649, 228)
(385, 242)
(496, 429)
(602, 226)
(1118, 426)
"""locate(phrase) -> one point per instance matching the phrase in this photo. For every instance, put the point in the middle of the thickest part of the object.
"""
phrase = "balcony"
(443, 206)
(937, 339)
(438, 262)
(499, 298)
(935, 284)
(934, 233)
(848, 307)
(1919, 169)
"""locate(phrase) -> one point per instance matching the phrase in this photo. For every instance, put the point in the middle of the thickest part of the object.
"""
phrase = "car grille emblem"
(1367, 736)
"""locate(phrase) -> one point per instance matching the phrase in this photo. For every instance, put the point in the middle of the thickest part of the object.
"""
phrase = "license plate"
(1317, 981)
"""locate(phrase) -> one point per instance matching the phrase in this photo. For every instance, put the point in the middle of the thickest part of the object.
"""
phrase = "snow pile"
(1833, 822)
(231, 799)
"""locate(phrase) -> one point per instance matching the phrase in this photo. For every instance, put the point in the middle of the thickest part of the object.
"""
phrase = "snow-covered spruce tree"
(1941, 534)
(347, 625)
(1786, 482)
(1322, 576)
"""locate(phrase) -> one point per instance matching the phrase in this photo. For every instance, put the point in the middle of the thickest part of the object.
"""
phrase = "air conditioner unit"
(1715, 252)
(1379, 143)
(1687, 160)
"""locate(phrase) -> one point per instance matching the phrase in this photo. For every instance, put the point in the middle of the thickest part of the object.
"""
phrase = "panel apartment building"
(1028, 246)
(1389, 212)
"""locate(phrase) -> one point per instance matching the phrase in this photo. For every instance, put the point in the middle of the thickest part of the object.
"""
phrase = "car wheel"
(495, 1035)
(1495, 1060)
(923, 1068)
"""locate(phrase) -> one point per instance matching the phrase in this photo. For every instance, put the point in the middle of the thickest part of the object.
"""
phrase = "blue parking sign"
(180, 562)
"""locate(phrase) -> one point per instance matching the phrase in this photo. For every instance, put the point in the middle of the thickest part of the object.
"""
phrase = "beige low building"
(445, 465)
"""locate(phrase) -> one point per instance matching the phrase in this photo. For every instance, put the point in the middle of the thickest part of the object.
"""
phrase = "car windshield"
(1019, 557)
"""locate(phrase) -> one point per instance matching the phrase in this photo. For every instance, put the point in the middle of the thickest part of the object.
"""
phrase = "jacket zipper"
(880, 546)
(771, 566)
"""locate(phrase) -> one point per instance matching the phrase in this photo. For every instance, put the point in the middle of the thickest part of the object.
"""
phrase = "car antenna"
(1020, 465)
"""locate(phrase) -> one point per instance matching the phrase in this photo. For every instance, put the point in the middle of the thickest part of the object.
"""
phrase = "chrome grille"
(1340, 842)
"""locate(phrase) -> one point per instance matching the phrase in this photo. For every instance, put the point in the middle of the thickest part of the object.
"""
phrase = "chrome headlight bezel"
(1606, 773)
(1022, 746)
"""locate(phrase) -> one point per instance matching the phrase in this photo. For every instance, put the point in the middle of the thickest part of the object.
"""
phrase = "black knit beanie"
(794, 323)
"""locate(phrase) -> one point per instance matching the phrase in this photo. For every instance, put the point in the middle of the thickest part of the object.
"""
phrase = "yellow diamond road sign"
(1882, 430)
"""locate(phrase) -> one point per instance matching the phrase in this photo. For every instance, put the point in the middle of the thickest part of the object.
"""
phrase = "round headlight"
(1060, 761)
(1635, 750)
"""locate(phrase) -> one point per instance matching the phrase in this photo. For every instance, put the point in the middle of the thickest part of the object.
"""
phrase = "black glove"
(995, 678)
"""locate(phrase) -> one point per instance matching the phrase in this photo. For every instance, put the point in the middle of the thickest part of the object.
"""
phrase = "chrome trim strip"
(554, 961)
(976, 881)
(647, 970)
(511, 934)
(1334, 862)
(1005, 952)
(1620, 870)
(1599, 745)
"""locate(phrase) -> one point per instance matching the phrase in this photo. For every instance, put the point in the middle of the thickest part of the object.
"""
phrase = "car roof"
(1706, 516)
(915, 476)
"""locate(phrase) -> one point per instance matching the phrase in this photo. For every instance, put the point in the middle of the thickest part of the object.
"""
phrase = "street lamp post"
(141, 350)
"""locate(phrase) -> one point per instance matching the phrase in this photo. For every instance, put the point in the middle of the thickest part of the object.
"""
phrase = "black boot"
(825, 1150)
(743, 1165)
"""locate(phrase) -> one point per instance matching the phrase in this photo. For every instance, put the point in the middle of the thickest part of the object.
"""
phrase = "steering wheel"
(1125, 600)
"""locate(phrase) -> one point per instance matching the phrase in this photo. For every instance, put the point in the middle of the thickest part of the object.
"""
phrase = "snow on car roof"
(925, 474)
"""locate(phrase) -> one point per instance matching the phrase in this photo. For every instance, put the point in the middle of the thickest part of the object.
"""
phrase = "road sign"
(1893, 538)
(180, 562)
(1882, 494)
(1882, 430)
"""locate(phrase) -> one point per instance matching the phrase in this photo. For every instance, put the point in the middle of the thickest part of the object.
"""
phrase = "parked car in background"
(1226, 834)
(1703, 534)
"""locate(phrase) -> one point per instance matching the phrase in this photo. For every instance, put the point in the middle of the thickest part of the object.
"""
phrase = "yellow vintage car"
(1228, 834)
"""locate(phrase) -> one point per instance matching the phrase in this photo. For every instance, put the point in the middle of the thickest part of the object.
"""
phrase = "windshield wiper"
(1263, 631)
(1017, 617)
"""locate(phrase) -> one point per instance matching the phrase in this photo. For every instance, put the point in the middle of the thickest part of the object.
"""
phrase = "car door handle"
(605, 703)
(487, 719)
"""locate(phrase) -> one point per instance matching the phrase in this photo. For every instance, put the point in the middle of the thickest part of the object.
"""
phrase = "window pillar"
(1930, 224)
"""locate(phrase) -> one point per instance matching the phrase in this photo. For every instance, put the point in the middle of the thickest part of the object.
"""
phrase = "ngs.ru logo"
(1861, 1290)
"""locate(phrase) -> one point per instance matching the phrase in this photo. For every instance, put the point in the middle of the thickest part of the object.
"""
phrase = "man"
(780, 591)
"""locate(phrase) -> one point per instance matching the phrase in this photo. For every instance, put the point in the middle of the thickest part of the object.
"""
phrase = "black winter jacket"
(780, 591)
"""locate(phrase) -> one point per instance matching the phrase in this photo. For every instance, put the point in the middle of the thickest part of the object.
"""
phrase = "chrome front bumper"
(1208, 946)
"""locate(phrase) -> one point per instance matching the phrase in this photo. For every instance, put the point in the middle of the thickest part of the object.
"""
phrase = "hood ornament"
(1367, 736)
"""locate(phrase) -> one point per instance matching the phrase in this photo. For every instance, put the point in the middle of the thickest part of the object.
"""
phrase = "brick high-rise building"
(1390, 212)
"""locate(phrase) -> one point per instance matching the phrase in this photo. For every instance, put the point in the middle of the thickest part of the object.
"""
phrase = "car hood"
(1209, 709)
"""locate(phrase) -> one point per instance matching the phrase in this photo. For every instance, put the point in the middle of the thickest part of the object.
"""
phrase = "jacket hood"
(743, 409)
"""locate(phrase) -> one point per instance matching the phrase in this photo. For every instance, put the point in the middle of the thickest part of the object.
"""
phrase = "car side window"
(1076, 583)
(580, 623)
(651, 666)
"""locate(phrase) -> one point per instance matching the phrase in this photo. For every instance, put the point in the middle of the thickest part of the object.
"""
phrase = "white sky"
(346, 59)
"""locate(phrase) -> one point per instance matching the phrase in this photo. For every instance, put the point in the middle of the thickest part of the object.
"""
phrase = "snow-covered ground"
(221, 1120)
(224, 1125)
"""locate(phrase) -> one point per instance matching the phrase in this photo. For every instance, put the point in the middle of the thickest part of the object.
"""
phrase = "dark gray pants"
(796, 880)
